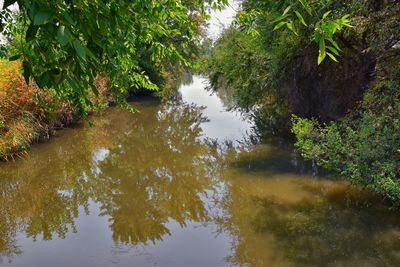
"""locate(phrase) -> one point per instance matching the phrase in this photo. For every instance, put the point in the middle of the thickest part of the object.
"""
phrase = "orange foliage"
(23, 119)
(16, 97)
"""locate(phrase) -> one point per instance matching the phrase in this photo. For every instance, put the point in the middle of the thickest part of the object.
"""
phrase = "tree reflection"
(282, 219)
(146, 170)
(154, 174)
(143, 169)
(41, 195)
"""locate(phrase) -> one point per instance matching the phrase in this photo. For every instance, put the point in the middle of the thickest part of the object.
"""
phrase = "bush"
(20, 114)
(365, 146)
(28, 113)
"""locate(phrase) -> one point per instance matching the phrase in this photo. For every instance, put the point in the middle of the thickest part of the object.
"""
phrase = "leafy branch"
(68, 43)
(246, 21)
(324, 29)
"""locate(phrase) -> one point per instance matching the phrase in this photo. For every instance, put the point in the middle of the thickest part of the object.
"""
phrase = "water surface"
(179, 184)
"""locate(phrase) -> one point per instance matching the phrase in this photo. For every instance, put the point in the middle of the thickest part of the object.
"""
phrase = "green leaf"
(66, 19)
(290, 26)
(322, 50)
(334, 44)
(45, 79)
(345, 21)
(59, 78)
(80, 50)
(321, 57)
(283, 16)
(32, 9)
(90, 54)
(306, 6)
(286, 10)
(301, 18)
(63, 35)
(26, 71)
(321, 44)
(317, 36)
(280, 18)
(74, 84)
(279, 25)
(8, 3)
(31, 32)
(42, 17)
(334, 50)
(332, 56)
(326, 14)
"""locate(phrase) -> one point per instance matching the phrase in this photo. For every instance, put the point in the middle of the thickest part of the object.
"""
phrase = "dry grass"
(23, 119)
(20, 114)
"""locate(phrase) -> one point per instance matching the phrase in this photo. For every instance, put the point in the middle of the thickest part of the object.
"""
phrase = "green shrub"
(364, 147)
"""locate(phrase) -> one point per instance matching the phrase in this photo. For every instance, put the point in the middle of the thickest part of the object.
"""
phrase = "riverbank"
(29, 114)
(343, 115)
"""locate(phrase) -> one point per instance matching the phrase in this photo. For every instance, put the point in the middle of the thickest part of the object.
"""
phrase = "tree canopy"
(64, 44)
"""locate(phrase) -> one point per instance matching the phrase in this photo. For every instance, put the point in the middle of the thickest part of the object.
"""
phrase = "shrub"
(28, 113)
(20, 114)
(364, 147)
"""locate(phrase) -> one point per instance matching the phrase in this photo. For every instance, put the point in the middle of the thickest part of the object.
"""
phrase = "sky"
(1, 4)
(222, 19)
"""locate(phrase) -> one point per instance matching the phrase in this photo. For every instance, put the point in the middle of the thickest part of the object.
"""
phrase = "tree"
(67, 43)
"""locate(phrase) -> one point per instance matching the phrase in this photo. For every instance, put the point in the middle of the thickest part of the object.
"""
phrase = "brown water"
(151, 189)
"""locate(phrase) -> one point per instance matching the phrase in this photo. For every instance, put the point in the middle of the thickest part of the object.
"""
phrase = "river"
(182, 184)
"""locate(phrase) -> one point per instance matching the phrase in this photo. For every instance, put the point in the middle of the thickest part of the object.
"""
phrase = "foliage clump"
(346, 113)
(75, 56)
(28, 113)
(65, 45)
(363, 147)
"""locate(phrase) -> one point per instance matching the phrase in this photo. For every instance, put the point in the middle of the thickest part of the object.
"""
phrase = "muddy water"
(156, 189)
